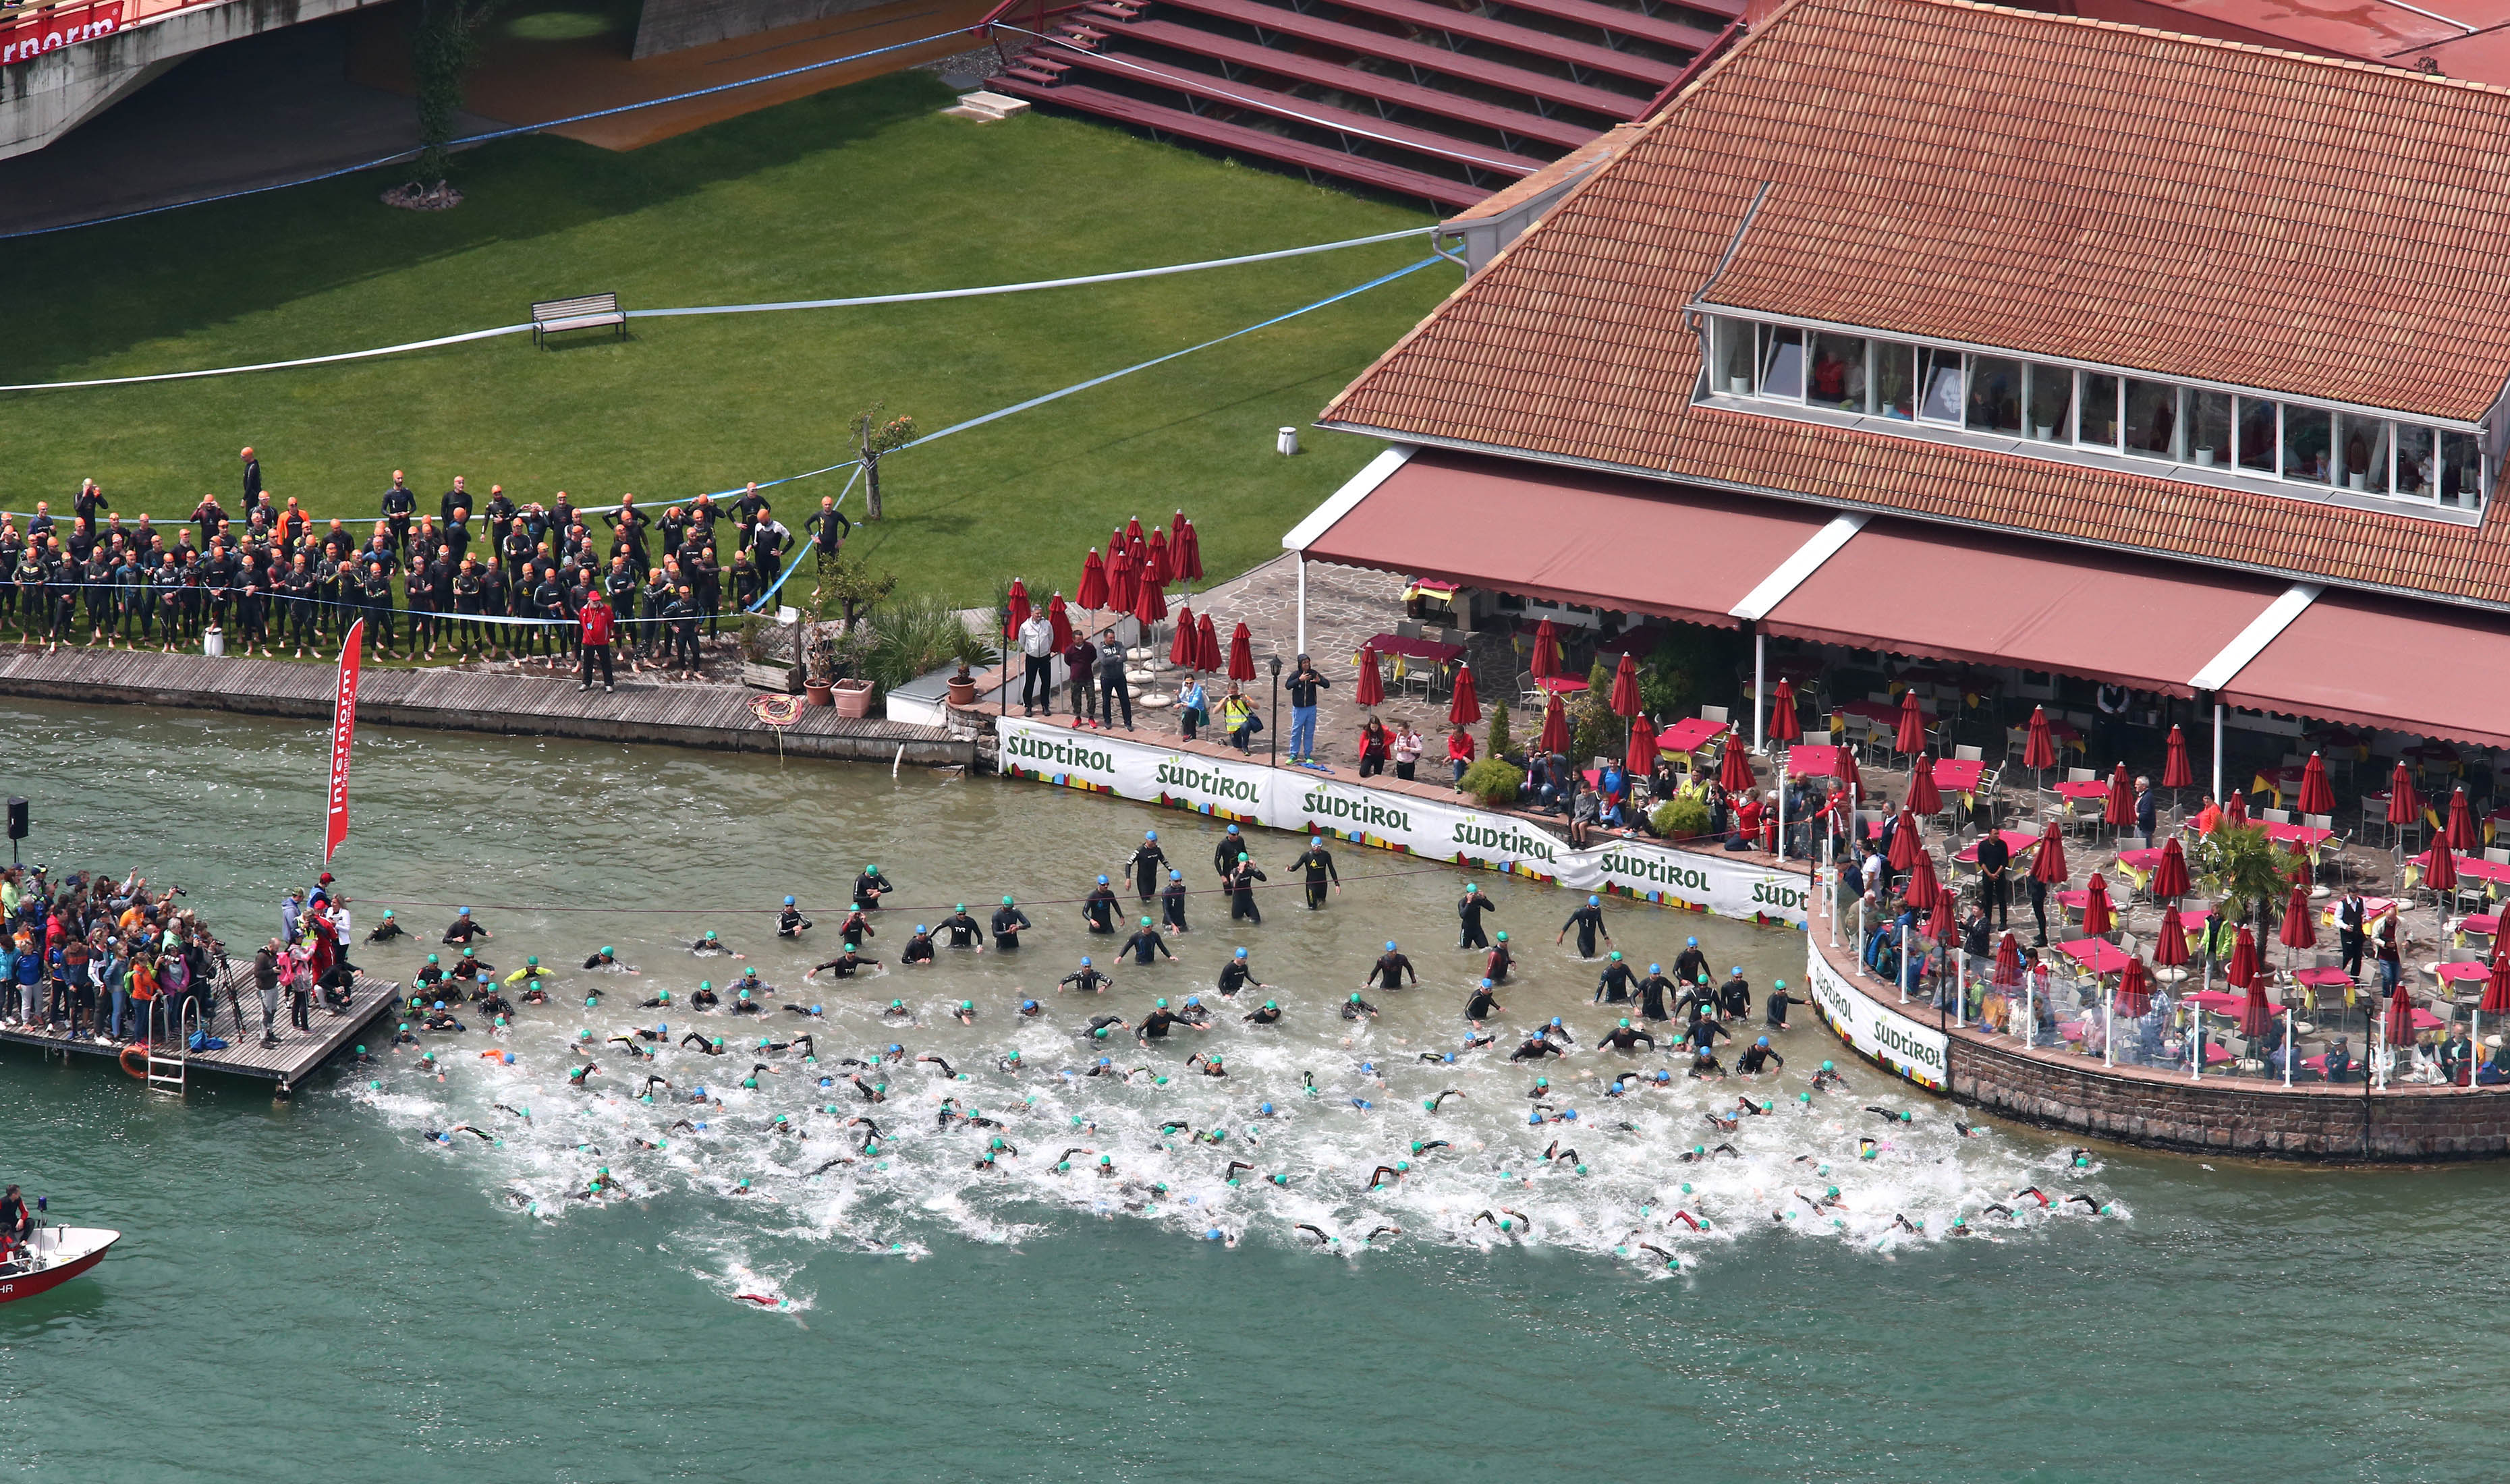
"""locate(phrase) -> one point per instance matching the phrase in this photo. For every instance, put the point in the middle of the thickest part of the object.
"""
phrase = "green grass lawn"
(861, 190)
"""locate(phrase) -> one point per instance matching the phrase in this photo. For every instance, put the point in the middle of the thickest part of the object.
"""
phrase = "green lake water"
(315, 1290)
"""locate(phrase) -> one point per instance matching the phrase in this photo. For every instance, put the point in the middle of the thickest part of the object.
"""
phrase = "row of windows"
(2127, 415)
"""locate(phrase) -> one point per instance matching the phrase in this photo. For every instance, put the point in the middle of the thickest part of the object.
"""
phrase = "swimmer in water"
(578, 1076)
(521, 1113)
(1085, 980)
(1384, 1175)
(1230, 1175)
(1389, 971)
(1536, 1048)
(607, 957)
(1212, 1066)
(1268, 1013)
(871, 1092)
(963, 931)
(1888, 1115)
(1757, 1057)
(704, 996)
(1143, 943)
(791, 922)
(844, 966)
(652, 1079)
(1624, 1036)
(446, 1135)
(1173, 898)
(711, 1047)
(1746, 1106)
(855, 928)
(1355, 1007)
(1965, 1128)
(1377, 1231)
(1238, 973)
(1555, 1153)
(1726, 1123)
(897, 1011)
(1502, 959)
(1323, 1239)
(920, 948)
(1440, 1100)
(945, 1067)
(1098, 910)
(709, 945)
(1828, 1077)
(1615, 983)
(812, 1010)
(965, 1012)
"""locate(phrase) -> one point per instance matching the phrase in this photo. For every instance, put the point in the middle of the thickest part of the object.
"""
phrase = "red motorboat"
(53, 1256)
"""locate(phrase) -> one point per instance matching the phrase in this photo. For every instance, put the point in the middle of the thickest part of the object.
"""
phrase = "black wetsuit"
(1142, 944)
(1626, 1037)
(1235, 975)
(1099, 907)
(1390, 971)
(1734, 998)
(918, 949)
(1241, 893)
(1007, 923)
(1224, 856)
(1480, 1005)
(1689, 966)
(1588, 921)
(1613, 986)
(1087, 980)
(964, 931)
(868, 887)
(1146, 863)
(1155, 1025)
(1755, 1059)
(1469, 913)
(1173, 905)
(1652, 1002)
(1317, 864)
(1495, 969)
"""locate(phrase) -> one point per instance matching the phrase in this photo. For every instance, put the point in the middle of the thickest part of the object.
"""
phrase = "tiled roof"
(2058, 186)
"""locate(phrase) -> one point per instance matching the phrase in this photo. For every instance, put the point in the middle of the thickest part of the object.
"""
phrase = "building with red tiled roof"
(2188, 305)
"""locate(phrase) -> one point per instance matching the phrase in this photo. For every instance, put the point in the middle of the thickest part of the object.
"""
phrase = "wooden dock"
(681, 713)
(287, 1063)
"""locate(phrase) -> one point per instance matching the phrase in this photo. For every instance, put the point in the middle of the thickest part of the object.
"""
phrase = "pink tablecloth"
(2464, 973)
(2322, 978)
(1876, 711)
(2019, 842)
(2094, 954)
(1561, 685)
(1689, 735)
(1958, 774)
(1417, 649)
(2299, 837)
(1813, 760)
(2091, 788)
(2483, 924)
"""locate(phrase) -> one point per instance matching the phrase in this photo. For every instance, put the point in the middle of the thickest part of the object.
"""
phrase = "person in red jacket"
(595, 622)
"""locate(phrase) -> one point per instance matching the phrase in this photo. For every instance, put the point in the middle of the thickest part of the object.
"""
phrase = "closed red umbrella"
(2170, 878)
(1912, 736)
(1017, 605)
(1124, 581)
(1734, 769)
(2462, 837)
(2175, 771)
(1060, 617)
(1784, 727)
(1133, 529)
(2257, 1016)
(1906, 847)
(1140, 551)
(1186, 648)
(1925, 797)
(1241, 654)
(1555, 727)
(2117, 811)
(2405, 806)
(2235, 808)
(2300, 922)
(2100, 914)
(1206, 644)
(1547, 651)
(1625, 686)
(1159, 570)
(1466, 707)
(1149, 605)
(1939, 918)
(2008, 962)
(2440, 868)
(2397, 1025)
(2039, 747)
(2134, 991)
(2316, 797)
(1092, 592)
(2242, 972)
(1922, 888)
(1640, 760)
(2170, 949)
(1848, 777)
(2497, 989)
(2049, 865)
(1372, 685)
(1186, 549)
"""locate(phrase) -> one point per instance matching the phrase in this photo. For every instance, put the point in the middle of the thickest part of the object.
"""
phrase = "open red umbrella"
(2405, 806)
(1149, 605)
(1186, 549)
(1625, 686)
(2462, 837)
(1159, 569)
(1372, 685)
(1784, 727)
(1017, 605)
(1060, 617)
(2440, 868)
(2134, 991)
(2235, 808)
(1465, 707)
(2242, 972)
(1922, 888)
(2039, 747)
(1906, 847)
(2117, 811)
(1206, 645)
(1925, 797)
(2008, 962)
(1133, 529)
(2299, 922)
(1912, 736)
(1640, 760)
(1734, 769)
(2316, 797)
(1547, 651)
(1241, 654)
(2170, 878)
(1939, 918)
(2170, 949)
(2175, 771)
(2100, 914)
(1124, 581)
(1555, 726)
(1186, 649)
(2049, 865)
(2397, 1025)
(1092, 592)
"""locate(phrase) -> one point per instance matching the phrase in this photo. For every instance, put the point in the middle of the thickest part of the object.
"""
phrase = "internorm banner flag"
(1301, 801)
(344, 727)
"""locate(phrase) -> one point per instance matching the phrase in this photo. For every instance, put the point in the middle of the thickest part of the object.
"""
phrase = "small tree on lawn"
(443, 53)
(874, 438)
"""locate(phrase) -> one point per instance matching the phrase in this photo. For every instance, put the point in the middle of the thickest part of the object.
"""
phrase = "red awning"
(1911, 589)
(1569, 536)
(2386, 663)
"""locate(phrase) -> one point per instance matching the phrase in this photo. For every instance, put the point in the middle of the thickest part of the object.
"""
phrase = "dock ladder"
(166, 1073)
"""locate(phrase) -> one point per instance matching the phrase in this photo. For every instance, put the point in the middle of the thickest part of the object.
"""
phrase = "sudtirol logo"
(1062, 754)
(1503, 839)
(1324, 803)
(1892, 1039)
(1177, 773)
(1780, 895)
(1663, 874)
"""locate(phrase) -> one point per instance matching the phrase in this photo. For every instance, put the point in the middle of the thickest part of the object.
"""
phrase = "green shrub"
(1680, 818)
(1500, 742)
(915, 635)
(1493, 781)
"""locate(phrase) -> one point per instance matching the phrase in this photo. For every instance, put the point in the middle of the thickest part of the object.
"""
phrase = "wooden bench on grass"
(590, 311)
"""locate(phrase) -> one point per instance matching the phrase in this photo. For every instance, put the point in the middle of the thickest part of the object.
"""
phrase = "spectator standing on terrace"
(2145, 813)
(1407, 748)
(1305, 682)
(1112, 688)
(1037, 685)
(1373, 746)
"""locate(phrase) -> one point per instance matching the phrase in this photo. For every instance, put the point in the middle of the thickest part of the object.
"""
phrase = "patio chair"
(2079, 775)
(1407, 628)
(2275, 815)
(2324, 821)
(1715, 713)
(2496, 855)
(1968, 753)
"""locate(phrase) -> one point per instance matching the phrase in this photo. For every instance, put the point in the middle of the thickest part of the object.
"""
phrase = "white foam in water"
(813, 1182)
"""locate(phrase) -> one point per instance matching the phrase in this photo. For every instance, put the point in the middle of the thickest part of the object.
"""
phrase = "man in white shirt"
(1037, 644)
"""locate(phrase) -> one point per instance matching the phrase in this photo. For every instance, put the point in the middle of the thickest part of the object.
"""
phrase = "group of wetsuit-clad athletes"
(1696, 1008)
(270, 575)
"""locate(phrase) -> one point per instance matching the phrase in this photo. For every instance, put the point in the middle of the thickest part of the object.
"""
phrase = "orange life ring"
(141, 1070)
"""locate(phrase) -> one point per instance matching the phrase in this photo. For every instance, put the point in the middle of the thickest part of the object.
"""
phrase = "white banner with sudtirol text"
(1877, 1031)
(1305, 802)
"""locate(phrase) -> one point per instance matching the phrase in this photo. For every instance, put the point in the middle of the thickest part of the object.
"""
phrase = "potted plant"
(1492, 780)
(962, 686)
(819, 667)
